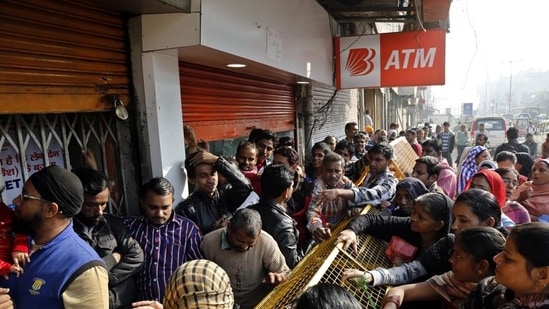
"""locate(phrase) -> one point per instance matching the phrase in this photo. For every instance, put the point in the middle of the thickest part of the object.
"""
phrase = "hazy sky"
(485, 35)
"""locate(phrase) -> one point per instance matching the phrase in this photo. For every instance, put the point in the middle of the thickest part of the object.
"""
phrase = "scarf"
(468, 168)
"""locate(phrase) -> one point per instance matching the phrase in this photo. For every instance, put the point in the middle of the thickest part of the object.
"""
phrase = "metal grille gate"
(71, 133)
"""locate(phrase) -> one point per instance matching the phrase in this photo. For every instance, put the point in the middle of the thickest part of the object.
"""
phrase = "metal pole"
(510, 83)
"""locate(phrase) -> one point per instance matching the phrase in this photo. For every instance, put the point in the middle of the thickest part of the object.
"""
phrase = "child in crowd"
(320, 217)
(471, 208)
(14, 251)
(471, 259)
(429, 222)
(246, 157)
(346, 151)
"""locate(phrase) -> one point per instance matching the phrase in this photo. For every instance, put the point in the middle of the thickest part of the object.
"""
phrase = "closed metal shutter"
(332, 112)
(224, 105)
(61, 56)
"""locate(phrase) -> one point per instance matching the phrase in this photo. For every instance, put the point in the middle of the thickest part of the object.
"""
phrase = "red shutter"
(224, 105)
(61, 56)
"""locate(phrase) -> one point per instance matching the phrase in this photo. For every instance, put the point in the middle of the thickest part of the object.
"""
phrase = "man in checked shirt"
(168, 239)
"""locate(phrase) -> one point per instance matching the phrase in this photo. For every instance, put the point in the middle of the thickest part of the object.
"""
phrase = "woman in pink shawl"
(534, 194)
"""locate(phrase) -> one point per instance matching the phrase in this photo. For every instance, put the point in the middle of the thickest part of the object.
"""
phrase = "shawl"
(414, 187)
(468, 168)
(453, 291)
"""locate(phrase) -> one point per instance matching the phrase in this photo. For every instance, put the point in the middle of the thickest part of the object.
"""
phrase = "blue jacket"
(51, 270)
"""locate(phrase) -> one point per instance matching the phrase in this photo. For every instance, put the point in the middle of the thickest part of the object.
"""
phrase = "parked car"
(542, 130)
(496, 126)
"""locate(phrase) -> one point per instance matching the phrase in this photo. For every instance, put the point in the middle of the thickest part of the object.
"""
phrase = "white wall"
(300, 33)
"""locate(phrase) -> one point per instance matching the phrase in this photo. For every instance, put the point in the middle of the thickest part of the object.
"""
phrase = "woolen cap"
(59, 185)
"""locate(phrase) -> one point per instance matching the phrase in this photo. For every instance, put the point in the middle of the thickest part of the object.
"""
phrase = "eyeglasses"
(30, 197)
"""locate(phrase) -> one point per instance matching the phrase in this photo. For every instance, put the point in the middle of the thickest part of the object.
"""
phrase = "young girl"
(314, 169)
(346, 151)
(471, 208)
(429, 221)
(472, 261)
(522, 272)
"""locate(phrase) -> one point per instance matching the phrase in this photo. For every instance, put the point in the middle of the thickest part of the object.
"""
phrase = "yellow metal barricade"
(325, 263)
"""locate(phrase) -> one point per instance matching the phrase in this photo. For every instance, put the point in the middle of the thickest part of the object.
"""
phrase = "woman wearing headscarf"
(407, 191)
(469, 166)
(534, 194)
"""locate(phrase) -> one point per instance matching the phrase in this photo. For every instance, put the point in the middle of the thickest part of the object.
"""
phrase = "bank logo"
(359, 61)
(36, 286)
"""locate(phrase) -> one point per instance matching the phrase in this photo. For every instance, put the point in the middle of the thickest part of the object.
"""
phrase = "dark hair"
(349, 124)
(411, 131)
(532, 242)
(482, 243)
(358, 136)
(382, 148)
(506, 155)
(482, 203)
(322, 146)
(252, 137)
(265, 134)
(287, 141)
(482, 135)
(512, 133)
(289, 153)
(343, 144)
(527, 163)
(439, 207)
(505, 170)
(93, 182)
(433, 143)
(157, 185)
(191, 169)
(332, 157)
(327, 296)
(243, 145)
(248, 220)
(432, 163)
(275, 179)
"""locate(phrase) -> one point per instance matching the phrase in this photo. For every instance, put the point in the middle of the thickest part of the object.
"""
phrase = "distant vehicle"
(522, 115)
(507, 116)
(496, 127)
(542, 130)
(522, 125)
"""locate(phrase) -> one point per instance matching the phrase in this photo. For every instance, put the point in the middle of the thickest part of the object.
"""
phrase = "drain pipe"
(308, 120)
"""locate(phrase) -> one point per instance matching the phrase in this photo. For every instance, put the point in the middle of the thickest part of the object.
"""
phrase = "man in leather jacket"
(209, 207)
(277, 185)
(109, 237)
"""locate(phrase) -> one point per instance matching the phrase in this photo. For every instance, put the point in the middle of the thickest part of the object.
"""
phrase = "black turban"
(60, 186)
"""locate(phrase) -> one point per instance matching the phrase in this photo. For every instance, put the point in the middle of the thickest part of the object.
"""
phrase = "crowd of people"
(462, 233)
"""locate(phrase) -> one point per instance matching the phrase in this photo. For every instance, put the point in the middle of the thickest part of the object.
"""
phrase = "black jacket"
(109, 235)
(282, 228)
(205, 210)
